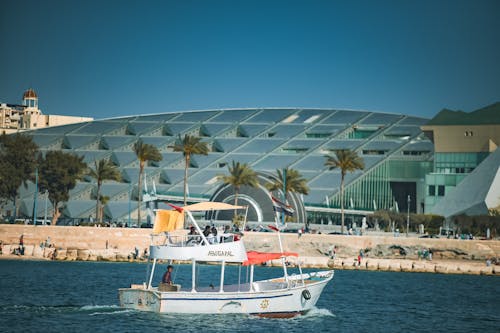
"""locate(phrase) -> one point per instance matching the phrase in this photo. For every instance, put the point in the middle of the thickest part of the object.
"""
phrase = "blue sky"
(117, 58)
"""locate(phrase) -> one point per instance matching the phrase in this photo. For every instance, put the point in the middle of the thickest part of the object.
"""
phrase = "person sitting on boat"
(167, 277)
(214, 233)
(192, 236)
(206, 232)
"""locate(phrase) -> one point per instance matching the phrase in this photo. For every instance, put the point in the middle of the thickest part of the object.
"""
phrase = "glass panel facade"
(232, 116)
(270, 116)
(344, 117)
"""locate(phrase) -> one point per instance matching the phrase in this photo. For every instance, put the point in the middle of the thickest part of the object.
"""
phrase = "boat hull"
(282, 303)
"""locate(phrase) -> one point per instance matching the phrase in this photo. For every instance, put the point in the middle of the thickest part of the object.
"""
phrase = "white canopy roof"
(211, 205)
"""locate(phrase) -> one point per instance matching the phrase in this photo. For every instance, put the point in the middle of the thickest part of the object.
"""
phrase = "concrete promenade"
(383, 253)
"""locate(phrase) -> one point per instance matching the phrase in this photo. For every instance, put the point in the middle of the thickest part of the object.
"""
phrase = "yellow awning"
(168, 220)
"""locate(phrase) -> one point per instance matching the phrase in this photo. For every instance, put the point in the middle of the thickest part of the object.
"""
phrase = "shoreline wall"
(385, 253)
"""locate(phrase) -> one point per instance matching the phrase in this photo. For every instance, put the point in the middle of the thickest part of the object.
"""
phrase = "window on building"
(432, 190)
(441, 190)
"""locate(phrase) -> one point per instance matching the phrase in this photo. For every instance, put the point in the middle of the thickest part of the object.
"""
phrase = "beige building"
(27, 116)
(466, 175)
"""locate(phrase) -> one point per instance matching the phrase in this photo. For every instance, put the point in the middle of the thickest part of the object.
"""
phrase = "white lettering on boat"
(220, 253)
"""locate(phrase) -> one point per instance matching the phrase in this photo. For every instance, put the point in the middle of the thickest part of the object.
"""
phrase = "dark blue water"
(82, 297)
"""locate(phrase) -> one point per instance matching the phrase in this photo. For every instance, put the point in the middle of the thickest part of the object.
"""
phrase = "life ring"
(306, 294)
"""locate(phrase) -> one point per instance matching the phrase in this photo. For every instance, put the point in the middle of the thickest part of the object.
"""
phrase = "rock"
(440, 268)
(383, 265)
(371, 265)
(71, 254)
(82, 254)
(61, 254)
(406, 266)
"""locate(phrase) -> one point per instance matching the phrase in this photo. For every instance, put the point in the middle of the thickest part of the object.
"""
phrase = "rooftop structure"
(27, 115)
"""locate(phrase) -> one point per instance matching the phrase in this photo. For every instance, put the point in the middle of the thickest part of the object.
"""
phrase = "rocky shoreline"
(380, 253)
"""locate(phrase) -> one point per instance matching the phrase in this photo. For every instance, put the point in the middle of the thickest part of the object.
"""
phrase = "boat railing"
(196, 240)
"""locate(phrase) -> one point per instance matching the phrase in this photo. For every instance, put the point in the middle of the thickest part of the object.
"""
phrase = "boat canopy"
(255, 257)
(210, 205)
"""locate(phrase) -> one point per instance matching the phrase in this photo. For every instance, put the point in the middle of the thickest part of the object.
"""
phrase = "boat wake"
(98, 310)
(317, 312)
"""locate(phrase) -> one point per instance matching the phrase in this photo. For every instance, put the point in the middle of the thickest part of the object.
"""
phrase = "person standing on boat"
(167, 277)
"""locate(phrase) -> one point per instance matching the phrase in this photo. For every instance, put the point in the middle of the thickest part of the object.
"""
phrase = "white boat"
(284, 296)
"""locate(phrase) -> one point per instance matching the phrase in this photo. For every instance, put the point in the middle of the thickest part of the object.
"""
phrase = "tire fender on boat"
(306, 294)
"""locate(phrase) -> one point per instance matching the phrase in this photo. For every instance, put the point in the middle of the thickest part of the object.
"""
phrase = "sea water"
(42, 296)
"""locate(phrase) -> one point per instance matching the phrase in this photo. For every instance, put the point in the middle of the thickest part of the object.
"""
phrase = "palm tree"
(347, 161)
(239, 175)
(188, 146)
(145, 152)
(103, 199)
(293, 180)
(103, 170)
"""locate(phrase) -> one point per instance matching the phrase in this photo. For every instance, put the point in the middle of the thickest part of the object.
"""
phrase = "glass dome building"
(397, 157)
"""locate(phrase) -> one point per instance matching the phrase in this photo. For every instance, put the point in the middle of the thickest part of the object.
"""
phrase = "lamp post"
(46, 203)
(408, 216)
(35, 198)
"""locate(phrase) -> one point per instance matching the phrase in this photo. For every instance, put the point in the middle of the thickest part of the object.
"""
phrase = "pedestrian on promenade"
(359, 259)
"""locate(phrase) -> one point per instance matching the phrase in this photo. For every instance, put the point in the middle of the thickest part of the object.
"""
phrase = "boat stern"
(137, 297)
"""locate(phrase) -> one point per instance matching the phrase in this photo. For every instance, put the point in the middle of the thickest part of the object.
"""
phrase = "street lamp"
(408, 216)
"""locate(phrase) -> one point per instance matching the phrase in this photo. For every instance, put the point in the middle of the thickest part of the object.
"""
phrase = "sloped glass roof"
(344, 117)
(343, 144)
(101, 127)
(201, 178)
(168, 158)
(160, 142)
(174, 129)
(63, 129)
(284, 131)
(402, 131)
(228, 144)
(325, 129)
(195, 116)
(201, 161)
(123, 158)
(145, 128)
(111, 142)
(300, 144)
(46, 140)
(381, 119)
(81, 141)
(172, 176)
(79, 208)
(89, 156)
(419, 146)
(413, 121)
(232, 116)
(119, 209)
(311, 162)
(111, 189)
(250, 130)
(273, 162)
(382, 145)
(260, 146)
(242, 158)
(157, 118)
(214, 129)
(267, 139)
(270, 116)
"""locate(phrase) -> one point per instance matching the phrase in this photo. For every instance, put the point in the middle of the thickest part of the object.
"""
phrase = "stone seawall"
(384, 253)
